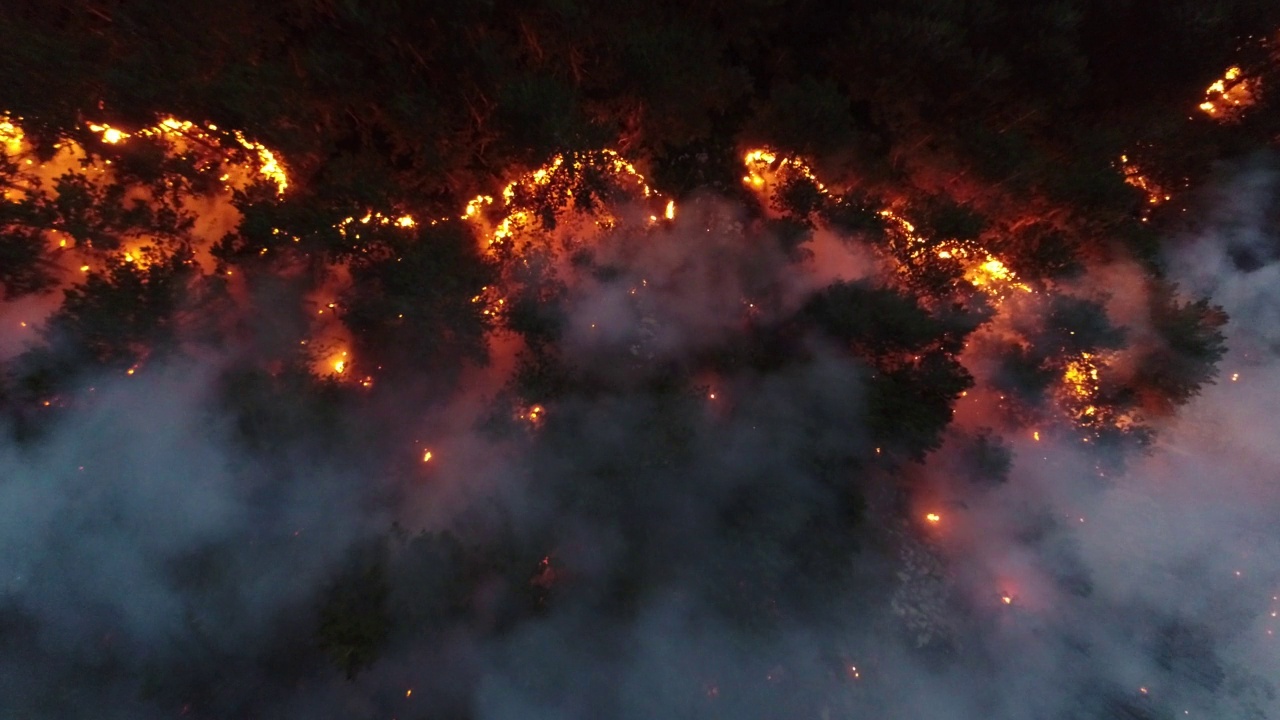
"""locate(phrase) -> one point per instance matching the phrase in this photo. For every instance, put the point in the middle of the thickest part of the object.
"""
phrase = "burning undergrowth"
(580, 449)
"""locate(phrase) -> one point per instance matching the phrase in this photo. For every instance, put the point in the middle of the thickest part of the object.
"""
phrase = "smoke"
(143, 543)
(170, 545)
(1152, 593)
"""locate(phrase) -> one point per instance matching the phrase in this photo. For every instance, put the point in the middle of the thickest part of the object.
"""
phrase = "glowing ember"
(933, 518)
(1134, 176)
(426, 456)
(1229, 96)
(375, 219)
(535, 414)
(1006, 598)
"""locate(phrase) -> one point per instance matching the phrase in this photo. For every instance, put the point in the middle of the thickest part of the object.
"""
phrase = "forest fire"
(1080, 388)
(850, 402)
(11, 135)
(570, 181)
(1227, 97)
(1081, 376)
(533, 415)
(578, 180)
(1134, 176)
(767, 168)
(348, 226)
(979, 267)
(767, 173)
(230, 159)
(985, 271)
(184, 136)
(110, 135)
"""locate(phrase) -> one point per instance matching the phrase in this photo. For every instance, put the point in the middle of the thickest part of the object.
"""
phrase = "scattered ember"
(1134, 176)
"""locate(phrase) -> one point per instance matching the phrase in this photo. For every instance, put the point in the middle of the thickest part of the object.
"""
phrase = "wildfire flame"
(533, 415)
(980, 268)
(170, 128)
(11, 136)
(556, 184)
(1134, 176)
(1080, 387)
(345, 226)
(766, 168)
(561, 183)
(229, 157)
(110, 135)
(1227, 97)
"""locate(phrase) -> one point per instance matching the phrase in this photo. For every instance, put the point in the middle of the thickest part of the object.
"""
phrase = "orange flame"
(982, 269)
(1228, 97)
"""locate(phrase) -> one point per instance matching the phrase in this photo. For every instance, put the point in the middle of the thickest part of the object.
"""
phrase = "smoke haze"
(162, 558)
